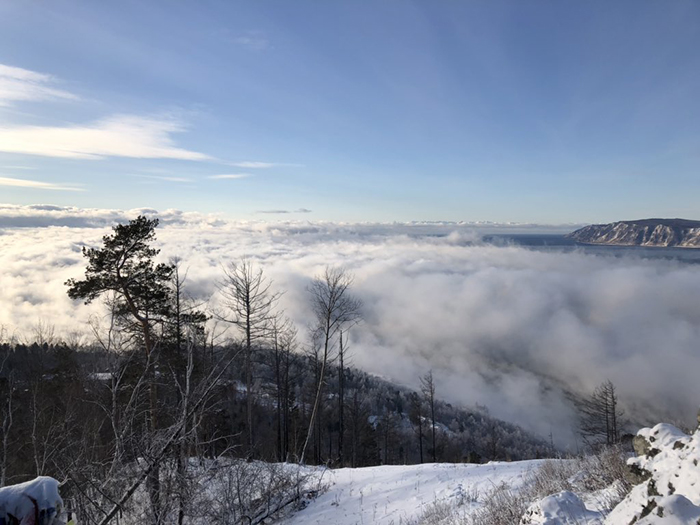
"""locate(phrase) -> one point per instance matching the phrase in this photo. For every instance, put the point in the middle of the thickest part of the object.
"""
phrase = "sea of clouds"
(504, 326)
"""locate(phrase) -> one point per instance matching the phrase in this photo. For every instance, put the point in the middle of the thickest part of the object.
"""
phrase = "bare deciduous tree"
(249, 303)
(44, 333)
(334, 308)
(600, 415)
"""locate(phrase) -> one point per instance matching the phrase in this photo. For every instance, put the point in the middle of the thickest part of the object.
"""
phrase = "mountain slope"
(680, 233)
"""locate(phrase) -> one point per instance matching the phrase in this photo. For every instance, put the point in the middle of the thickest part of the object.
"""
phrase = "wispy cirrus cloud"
(118, 136)
(227, 176)
(18, 84)
(249, 164)
(282, 212)
(165, 178)
(253, 164)
(39, 185)
(253, 41)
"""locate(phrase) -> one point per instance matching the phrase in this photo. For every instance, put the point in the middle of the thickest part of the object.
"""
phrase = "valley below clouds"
(511, 328)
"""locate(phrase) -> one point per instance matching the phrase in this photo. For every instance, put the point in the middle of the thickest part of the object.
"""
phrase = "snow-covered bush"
(226, 490)
(562, 508)
(248, 491)
(502, 506)
(452, 510)
(552, 477)
(600, 470)
(551, 492)
(439, 513)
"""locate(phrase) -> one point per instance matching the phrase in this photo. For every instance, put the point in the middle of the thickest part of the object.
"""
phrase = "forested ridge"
(60, 393)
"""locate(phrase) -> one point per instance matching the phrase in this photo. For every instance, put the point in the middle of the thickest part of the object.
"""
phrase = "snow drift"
(35, 502)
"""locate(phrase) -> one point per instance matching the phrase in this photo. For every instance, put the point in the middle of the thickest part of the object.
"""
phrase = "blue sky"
(538, 111)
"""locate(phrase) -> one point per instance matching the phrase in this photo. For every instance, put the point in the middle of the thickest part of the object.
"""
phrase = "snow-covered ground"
(666, 473)
(400, 494)
(664, 479)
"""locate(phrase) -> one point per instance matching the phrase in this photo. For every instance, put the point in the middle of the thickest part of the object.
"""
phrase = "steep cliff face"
(647, 232)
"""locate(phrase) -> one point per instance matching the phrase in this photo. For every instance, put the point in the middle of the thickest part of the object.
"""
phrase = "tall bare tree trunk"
(153, 480)
(341, 400)
(183, 455)
(250, 305)
(249, 376)
(286, 401)
(428, 389)
(334, 308)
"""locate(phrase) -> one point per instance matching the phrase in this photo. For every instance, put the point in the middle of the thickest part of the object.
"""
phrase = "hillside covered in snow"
(666, 233)
(659, 486)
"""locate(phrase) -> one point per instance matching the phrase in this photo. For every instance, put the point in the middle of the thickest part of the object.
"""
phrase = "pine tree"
(141, 299)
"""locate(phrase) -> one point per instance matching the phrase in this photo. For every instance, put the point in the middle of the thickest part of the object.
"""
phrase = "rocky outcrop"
(667, 492)
(647, 232)
(669, 464)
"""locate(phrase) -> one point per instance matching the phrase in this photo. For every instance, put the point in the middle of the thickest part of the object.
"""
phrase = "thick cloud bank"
(508, 327)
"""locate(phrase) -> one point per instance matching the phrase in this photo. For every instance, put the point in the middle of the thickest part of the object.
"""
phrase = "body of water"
(561, 243)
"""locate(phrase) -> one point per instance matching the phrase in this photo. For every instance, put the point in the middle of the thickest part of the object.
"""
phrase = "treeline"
(157, 386)
(60, 396)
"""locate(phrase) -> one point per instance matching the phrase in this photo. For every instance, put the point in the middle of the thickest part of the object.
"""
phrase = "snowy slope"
(399, 494)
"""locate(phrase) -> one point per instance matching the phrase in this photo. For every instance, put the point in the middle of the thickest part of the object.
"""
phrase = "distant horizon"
(60, 212)
(303, 216)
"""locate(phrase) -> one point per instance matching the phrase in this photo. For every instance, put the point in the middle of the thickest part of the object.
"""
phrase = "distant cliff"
(647, 232)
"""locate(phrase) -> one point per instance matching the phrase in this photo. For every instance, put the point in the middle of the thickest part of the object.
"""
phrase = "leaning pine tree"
(125, 267)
